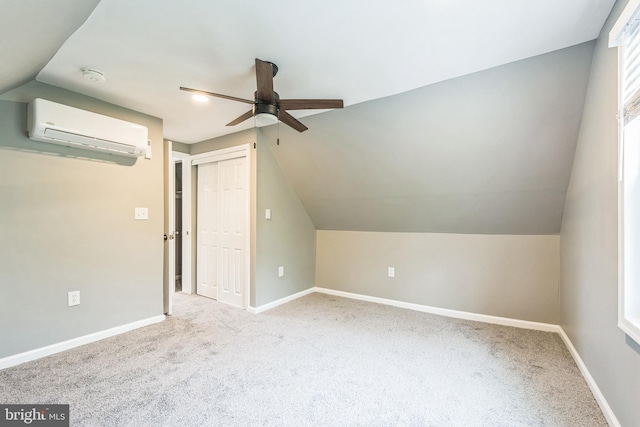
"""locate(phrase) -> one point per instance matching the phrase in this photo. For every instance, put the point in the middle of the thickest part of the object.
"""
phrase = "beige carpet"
(317, 361)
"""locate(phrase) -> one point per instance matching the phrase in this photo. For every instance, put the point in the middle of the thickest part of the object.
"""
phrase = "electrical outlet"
(391, 272)
(267, 214)
(141, 213)
(280, 271)
(73, 298)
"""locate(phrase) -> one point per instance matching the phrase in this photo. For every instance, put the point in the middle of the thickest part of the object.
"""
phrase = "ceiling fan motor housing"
(274, 67)
(264, 108)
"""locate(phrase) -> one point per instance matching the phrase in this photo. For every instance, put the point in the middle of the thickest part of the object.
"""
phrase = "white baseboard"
(38, 353)
(602, 402)
(525, 324)
(273, 304)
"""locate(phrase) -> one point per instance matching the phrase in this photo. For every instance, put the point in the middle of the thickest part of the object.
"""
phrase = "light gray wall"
(68, 224)
(487, 153)
(245, 137)
(180, 147)
(499, 275)
(288, 239)
(589, 289)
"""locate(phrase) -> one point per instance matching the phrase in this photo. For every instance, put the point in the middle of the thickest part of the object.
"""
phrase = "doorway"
(177, 225)
(177, 206)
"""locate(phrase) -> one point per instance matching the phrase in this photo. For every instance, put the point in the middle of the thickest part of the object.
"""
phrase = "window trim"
(628, 321)
(631, 12)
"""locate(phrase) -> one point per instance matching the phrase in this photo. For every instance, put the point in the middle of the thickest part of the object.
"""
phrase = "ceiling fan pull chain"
(278, 139)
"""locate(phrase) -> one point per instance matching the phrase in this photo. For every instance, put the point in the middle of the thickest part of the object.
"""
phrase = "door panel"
(207, 238)
(232, 230)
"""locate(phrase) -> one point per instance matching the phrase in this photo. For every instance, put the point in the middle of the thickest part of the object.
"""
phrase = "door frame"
(168, 265)
(169, 274)
(184, 158)
(237, 151)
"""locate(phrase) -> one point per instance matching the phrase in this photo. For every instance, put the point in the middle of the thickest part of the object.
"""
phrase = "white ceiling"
(349, 49)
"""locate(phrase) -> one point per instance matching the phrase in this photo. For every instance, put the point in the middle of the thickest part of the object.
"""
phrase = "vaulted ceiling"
(461, 116)
(32, 31)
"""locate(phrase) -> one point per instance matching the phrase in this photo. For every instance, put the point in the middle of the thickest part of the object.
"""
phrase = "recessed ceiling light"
(200, 98)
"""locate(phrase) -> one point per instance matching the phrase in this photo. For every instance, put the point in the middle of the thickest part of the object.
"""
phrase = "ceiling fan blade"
(289, 120)
(310, 104)
(204, 92)
(241, 119)
(264, 79)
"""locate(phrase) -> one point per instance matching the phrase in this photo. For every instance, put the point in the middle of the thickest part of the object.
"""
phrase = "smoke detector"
(93, 75)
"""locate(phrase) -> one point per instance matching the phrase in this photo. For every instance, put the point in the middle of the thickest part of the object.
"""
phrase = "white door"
(207, 238)
(233, 220)
(222, 230)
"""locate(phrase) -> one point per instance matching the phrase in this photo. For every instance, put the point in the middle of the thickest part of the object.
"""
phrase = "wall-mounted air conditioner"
(60, 124)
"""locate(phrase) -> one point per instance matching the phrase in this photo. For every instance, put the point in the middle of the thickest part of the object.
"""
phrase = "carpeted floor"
(317, 361)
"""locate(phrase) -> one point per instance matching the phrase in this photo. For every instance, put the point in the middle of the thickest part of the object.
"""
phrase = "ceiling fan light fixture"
(265, 114)
(265, 119)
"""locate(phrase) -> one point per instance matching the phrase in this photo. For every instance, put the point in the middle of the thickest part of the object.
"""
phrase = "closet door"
(207, 237)
(223, 225)
(233, 221)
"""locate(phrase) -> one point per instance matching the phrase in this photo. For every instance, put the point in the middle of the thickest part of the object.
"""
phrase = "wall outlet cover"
(280, 271)
(141, 213)
(73, 298)
(391, 272)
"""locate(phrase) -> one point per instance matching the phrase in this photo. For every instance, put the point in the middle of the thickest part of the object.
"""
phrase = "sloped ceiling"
(486, 153)
(461, 116)
(32, 31)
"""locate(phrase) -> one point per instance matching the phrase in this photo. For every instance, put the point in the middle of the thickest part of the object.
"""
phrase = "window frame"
(628, 311)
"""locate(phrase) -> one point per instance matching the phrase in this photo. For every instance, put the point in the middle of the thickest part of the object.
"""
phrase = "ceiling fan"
(266, 101)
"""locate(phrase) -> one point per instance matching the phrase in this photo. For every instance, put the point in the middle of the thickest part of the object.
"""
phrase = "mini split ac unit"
(63, 125)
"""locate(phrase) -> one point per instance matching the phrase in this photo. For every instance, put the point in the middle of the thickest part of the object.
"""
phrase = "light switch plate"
(391, 272)
(147, 154)
(280, 271)
(267, 213)
(142, 213)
